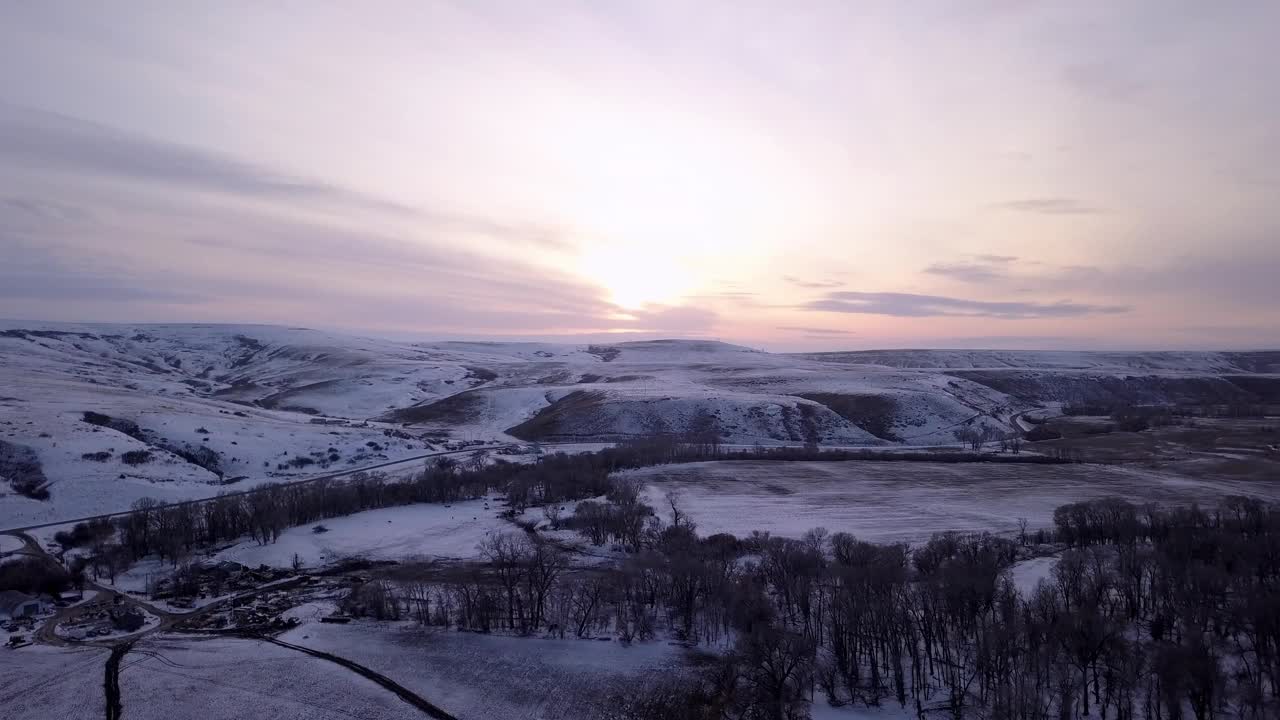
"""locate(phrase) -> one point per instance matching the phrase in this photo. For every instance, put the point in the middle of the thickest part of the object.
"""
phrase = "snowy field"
(474, 677)
(169, 676)
(396, 533)
(40, 682)
(907, 501)
(487, 677)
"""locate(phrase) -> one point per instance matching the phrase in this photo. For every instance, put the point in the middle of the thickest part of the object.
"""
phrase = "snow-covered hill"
(200, 408)
(1155, 361)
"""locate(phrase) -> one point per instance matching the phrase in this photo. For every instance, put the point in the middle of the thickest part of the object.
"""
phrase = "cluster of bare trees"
(977, 436)
(174, 532)
(621, 519)
(1159, 614)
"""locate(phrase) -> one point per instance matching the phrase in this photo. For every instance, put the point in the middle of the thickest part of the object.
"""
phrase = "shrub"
(94, 418)
(84, 533)
(30, 489)
(128, 427)
(21, 465)
(136, 457)
(206, 458)
(1041, 432)
(101, 456)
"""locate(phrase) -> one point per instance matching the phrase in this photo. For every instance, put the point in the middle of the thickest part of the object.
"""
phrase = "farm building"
(14, 604)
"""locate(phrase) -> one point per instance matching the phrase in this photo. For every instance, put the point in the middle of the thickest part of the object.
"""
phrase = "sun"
(635, 277)
(670, 203)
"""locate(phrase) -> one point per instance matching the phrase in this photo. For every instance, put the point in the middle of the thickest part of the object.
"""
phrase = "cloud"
(912, 305)
(32, 274)
(976, 269)
(320, 251)
(1240, 274)
(21, 208)
(817, 332)
(1238, 281)
(47, 141)
(253, 266)
(1049, 206)
(741, 297)
(968, 271)
(811, 284)
(544, 237)
(682, 319)
(43, 142)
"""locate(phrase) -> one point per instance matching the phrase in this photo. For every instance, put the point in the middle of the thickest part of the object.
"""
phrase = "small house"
(14, 605)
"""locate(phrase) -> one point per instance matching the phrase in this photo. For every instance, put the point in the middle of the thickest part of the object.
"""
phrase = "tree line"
(175, 532)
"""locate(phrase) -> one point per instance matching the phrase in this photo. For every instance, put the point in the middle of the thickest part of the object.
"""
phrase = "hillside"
(204, 407)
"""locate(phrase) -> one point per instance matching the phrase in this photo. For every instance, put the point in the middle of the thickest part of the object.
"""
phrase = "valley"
(280, 522)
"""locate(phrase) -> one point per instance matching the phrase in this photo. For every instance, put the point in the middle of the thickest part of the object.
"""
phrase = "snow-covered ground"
(396, 533)
(168, 676)
(907, 501)
(39, 682)
(1027, 574)
(491, 677)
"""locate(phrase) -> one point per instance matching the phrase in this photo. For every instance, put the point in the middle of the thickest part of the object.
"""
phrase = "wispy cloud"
(967, 271)
(912, 305)
(816, 331)
(29, 209)
(811, 284)
(980, 268)
(32, 274)
(46, 141)
(1049, 206)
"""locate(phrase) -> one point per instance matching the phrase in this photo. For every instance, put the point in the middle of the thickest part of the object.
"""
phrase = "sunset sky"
(787, 175)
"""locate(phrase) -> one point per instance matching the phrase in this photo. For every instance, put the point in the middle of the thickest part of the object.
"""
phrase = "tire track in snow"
(111, 680)
(401, 691)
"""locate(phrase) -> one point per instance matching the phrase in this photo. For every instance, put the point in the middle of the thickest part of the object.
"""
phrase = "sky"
(803, 175)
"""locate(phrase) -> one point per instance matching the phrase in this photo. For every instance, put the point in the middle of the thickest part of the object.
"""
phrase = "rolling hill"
(208, 406)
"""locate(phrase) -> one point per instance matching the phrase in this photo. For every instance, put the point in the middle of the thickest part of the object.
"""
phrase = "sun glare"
(672, 205)
(634, 277)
